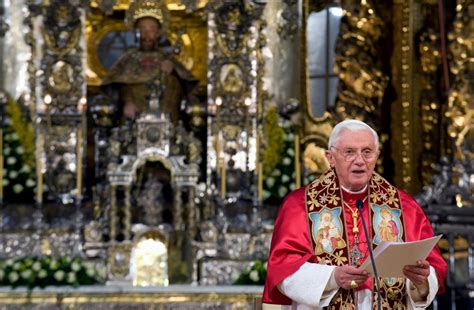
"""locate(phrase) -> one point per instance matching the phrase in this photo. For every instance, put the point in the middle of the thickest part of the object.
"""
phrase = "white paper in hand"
(391, 257)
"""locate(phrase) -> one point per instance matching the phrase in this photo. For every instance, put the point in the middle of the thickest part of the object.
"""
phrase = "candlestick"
(79, 163)
(39, 172)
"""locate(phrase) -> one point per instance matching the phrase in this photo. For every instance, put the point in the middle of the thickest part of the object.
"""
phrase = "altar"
(129, 297)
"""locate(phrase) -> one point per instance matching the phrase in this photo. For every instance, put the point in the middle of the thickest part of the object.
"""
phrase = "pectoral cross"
(355, 254)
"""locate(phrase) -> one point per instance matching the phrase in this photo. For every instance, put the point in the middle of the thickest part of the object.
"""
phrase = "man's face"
(150, 30)
(354, 173)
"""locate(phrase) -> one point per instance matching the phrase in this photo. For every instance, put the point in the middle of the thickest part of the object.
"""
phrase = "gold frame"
(96, 71)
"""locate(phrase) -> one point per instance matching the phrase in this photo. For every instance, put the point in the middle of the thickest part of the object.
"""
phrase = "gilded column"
(113, 212)
(178, 209)
(191, 210)
(404, 112)
(127, 219)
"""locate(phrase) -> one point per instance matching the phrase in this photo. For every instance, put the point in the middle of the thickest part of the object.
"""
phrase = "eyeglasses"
(351, 154)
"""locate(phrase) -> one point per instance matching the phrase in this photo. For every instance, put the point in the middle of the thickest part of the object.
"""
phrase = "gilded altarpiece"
(362, 77)
(402, 68)
(234, 99)
(58, 102)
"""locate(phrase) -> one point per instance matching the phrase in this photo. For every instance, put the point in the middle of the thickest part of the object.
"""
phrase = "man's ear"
(330, 158)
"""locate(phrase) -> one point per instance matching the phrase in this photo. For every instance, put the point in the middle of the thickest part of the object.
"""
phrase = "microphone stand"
(360, 205)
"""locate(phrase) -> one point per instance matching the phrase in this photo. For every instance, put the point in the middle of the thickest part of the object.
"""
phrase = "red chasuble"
(291, 245)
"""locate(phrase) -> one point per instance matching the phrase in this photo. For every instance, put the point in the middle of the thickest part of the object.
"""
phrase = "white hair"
(351, 125)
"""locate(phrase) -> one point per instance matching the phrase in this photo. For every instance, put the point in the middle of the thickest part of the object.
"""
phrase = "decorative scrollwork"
(363, 82)
(460, 111)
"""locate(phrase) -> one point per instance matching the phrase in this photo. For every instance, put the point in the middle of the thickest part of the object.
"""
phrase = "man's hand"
(344, 275)
(167, 66)
(418, 274)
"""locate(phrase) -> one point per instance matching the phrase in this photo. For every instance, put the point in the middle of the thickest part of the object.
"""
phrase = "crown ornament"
(148, 8)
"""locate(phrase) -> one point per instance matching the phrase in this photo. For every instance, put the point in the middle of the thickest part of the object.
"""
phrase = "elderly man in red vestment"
(299, 277)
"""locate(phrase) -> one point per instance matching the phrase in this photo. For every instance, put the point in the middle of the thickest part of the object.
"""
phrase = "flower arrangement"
(253, 274)
(46, 271)
(18, 152)
(279, 179)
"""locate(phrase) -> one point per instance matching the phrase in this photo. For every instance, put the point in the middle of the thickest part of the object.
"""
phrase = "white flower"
(292, 186)
(102, 272)
(282, 191)
(286, 161)
(13, 174)
(42, 274)
(6, 182)
(30, 183)
(26, 273)
(270, 181)
(11, 160)
(17, 266)
(75, 266)
(285, 178)
(6, 151)
(26, 168)
(253, 275)
(266, 194)
(59, 275)
(53, 264)
(276, 173)
(36, 266)
(17, 188)
(13, 277)
(290, 137)
(20, 150)
(14, 136)
(9, 262)
(90, 271)
(71, 277)
(290, 152)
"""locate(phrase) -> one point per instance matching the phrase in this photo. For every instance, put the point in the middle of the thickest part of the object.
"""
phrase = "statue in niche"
(153, 194)
(61, 76)
(138, 72)
(231, 78)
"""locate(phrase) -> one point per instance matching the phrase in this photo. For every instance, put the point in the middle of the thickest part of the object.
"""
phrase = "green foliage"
(45, 271)
(18, 153)
(281, 180)
(275, 136)
(254, 274)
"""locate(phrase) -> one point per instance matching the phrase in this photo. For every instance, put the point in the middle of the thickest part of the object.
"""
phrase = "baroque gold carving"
(363, 82)
(62, 30)
(460, 104)
(118, 257)
(430, 60)
(402, 108)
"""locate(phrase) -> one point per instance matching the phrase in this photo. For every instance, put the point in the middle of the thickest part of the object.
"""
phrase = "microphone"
(359, 206)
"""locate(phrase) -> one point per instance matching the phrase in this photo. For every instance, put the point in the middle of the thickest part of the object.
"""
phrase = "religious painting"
(327, 230)
(387, 224)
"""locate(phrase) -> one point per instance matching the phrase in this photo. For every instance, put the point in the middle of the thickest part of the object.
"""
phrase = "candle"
(79, 163)
(223, 180)
(39, 172)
